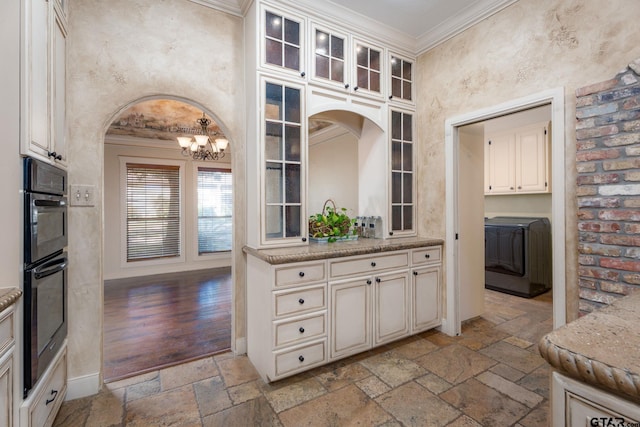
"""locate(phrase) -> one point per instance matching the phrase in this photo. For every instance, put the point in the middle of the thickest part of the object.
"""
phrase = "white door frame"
(452, 324)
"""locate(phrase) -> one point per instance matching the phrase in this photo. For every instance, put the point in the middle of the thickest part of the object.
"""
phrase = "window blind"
(153, 211)
(215, 210)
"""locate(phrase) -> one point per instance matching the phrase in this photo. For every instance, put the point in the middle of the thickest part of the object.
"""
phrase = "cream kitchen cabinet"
(403, 193)
(309, 306)
(576, 404)
(517, 161)
(426, 288)
(44, 81)
(282, 41)
(7, 365)
(401, 79)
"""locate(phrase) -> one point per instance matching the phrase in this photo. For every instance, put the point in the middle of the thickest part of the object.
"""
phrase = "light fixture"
(203, 148)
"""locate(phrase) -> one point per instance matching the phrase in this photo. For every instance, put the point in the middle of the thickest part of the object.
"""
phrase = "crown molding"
(233, 7)
(467, 18)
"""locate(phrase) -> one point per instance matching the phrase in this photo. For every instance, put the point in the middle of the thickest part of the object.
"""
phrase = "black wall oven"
(45, 266)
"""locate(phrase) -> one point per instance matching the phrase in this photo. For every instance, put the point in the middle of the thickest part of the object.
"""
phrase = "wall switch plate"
(82, 195)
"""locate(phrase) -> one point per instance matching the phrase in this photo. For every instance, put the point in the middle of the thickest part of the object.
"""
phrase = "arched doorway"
(168, 245)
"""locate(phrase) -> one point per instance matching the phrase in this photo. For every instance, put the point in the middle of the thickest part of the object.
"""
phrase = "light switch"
(82, 195)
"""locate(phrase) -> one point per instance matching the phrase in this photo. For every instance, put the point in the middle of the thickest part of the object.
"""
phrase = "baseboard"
(241, 346)
(86, 385)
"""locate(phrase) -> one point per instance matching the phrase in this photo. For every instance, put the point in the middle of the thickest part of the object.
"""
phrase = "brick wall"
(608, 188)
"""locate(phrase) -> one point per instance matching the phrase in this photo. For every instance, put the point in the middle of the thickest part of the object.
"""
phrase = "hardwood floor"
(158, 321)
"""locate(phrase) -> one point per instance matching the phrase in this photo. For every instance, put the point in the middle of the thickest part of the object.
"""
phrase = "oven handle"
(50, 268)
(50, 203)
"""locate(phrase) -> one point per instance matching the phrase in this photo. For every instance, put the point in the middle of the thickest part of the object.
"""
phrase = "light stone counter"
(9, 296)
(601, 348)
(316, 251)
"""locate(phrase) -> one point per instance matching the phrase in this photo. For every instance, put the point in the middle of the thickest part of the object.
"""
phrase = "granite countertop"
(9, 296)
(316, 251)
(601, 348)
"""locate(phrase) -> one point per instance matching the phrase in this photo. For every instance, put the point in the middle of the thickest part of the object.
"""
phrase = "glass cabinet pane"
(401, 78)
(283, 173)
(402, 176)
(282, 41)
(337, 47)
(329, 56)
(368, 68)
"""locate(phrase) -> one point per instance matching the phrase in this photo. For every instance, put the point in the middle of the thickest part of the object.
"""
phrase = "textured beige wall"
(528, 47)
(119, 52)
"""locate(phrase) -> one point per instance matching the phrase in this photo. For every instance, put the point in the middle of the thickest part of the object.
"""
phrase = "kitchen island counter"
(8, 297)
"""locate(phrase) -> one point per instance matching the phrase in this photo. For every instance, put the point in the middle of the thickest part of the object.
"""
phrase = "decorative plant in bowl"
(331, 224)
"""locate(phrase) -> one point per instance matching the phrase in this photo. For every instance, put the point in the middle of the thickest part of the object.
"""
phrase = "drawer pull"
(415, 273)
(301, 301)
(368, 282)
(301, 358)
(378, 280)
(301, 274)
(427, 256)
(54, 393)
(373, 264)
(301, 330)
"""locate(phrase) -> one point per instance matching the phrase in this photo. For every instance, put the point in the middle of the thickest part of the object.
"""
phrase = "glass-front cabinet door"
(284, 136)
(329, 57)
(402, 173)
(283, 41)
(401, 88)
(368, 69)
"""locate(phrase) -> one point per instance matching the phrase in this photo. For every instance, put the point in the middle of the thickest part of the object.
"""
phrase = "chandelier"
(202, 148)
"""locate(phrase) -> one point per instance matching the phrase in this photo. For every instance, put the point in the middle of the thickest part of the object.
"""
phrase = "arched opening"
(168, 238)
(346, 152)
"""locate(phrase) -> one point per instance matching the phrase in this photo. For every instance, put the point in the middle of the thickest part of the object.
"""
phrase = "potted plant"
(331, 224)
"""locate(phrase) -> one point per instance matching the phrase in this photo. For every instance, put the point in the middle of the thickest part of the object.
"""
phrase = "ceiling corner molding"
(452, 27)
(374, 30)
(229, 6)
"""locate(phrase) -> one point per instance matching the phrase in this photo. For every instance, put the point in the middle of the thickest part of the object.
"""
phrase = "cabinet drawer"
(430, 255)
(300, 358)
(300, 274)
(7, 319)
(369, 264)
(299, 301)
(303, 328)
(49, 394)
(581, 411)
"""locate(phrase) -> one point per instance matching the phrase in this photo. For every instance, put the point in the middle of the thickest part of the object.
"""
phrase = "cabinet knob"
(378, 280)
(301, 358)
(510, 188)
(301, 274)
(301, 330)
(390, 97)
(301, 301)
(368, 282)
(427, 256)
(373, 264)
(302, 74)
(355, 88)
(391, 233)
(519, 187)
(346, 86)
(304, 239)
(415, 273)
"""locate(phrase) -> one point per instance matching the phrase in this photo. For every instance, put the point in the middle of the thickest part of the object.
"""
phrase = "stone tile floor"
(491, 375)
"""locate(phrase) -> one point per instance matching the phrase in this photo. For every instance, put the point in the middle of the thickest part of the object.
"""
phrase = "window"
(214, 210)
(153, 211)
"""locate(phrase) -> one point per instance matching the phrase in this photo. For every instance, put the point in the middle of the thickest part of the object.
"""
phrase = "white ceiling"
(417, 25)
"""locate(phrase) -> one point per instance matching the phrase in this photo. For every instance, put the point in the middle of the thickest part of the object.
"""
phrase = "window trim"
(196, 256)
(124, 263)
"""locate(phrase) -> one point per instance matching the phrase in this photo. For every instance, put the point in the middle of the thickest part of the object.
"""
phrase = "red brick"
(632, 203)
(596, 132)
(588, 248)
(633, 228)
(600, 178)
(587, 156)
(629, 104)
(586, 167)
(596, 296)
(631, 126)
(599, 227)
(587, 283)
(610, 165)
(585, 101)
(632, 278)
(597, 87)
(619, 264)
(586, 260)
(598, 202)
(585, 145)
(598, 273)
(586, 191)
(619, 240)
(585, 214)
(617, 288)
(632, 176)
(621, 139)
(620, 215)
(588, 237)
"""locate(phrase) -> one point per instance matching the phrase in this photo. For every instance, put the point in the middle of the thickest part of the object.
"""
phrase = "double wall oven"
(45, 266)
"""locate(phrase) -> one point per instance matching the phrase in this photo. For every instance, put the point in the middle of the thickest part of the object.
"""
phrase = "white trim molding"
(86, 385)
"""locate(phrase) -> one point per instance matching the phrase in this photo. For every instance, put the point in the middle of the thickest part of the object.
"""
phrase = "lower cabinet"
(6, 389)
(306, 314)
(43, 403)
(575, 404)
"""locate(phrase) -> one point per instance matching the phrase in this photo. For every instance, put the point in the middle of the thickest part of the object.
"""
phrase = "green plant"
(331, 222)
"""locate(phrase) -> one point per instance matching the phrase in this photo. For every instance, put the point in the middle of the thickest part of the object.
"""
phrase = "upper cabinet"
(368, 76)
(283, 42)
(329, 64)
(44, 81)
(402, 174)
(517, 160)
(401, 79)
